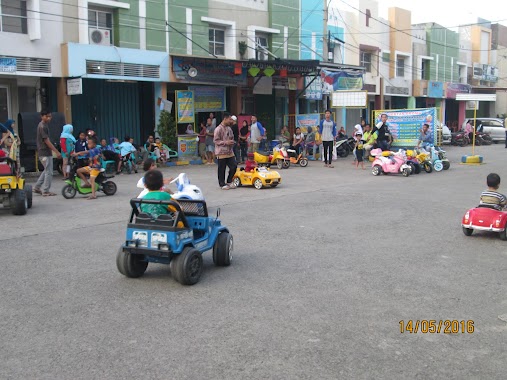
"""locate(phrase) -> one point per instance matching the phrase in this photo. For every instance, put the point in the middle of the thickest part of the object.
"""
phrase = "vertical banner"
(185, 107)
(406, 125)
(187, 146)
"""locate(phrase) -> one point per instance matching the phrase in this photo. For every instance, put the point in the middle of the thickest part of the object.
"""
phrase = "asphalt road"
(325, 267)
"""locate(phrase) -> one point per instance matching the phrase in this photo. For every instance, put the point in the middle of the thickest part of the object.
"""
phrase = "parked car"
(491, 125)
(446, 133)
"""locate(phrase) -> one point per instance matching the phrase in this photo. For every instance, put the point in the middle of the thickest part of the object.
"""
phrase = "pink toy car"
(483, 218)
(394, 163)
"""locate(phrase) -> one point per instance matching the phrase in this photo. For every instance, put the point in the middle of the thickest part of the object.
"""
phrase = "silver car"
(446, 133)
(491, 125)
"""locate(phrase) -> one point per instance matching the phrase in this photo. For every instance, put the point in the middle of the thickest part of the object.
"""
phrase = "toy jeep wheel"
(109, 188)
(258, 184)
(236, 182)
(130, 265)
(186, 267)
(68, 192)
(29, 196)
(469, 231)
(222, 250)
(19, 202)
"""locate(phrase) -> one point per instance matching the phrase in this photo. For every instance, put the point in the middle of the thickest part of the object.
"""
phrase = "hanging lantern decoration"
(253, 71)
(238, 69)
(269, 71)
(283, 73)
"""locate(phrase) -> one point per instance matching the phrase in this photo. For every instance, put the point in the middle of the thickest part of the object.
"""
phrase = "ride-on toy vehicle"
(258, 177)
(280, 157)
(74, 185)
(484, 218)
(394, 163)
(178, 238)
(297, 159)
(14, 193)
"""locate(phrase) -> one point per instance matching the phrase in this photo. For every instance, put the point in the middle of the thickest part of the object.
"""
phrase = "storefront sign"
(457, 88)
(313, 88)
(185, 106)
(208, 71)
(305, 121)
(341, 80)
(8, 65)
(284, 83)
(187, 146)
(75, 86)
(391, 90)
(208, 98)
(435, 89)
(485, 72)
(406, 125)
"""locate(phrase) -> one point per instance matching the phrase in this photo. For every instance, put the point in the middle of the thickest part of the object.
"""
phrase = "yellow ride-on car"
(257, 177)
(14, 193)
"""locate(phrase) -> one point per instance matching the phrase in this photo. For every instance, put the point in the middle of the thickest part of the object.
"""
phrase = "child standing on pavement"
(359, 150)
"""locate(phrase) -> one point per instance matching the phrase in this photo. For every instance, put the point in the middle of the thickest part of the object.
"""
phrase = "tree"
(166, 128)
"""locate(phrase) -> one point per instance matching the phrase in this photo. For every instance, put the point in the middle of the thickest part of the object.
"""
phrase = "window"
(101, 19)
(400, 67)
(365, 58)
(217, 41)
(261, 47)
(13, 16)
(424, 68)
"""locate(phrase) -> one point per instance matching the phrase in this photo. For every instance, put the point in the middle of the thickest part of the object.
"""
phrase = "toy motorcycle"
(297, 159)
(394, 163)
(74, 185)
(279, 156)
(185, 189)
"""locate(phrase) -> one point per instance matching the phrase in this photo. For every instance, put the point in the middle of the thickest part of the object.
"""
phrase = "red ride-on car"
(484, 218)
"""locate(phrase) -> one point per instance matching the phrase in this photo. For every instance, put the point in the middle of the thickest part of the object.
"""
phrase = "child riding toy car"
(177, 238)
(256, 176)
(14, 193)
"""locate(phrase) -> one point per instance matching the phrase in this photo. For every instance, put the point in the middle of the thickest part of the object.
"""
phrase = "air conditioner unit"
(100, 37)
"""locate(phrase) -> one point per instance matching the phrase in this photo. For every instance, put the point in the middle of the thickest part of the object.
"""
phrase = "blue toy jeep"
(177, 238)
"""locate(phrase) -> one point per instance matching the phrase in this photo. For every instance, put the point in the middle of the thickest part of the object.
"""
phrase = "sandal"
(48, 194)
(37, 191)
(91, 197)
(330, 166)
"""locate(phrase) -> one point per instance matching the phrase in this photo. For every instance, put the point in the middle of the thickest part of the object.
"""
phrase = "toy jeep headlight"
(141, 237)
(163, 247)
(158, 238)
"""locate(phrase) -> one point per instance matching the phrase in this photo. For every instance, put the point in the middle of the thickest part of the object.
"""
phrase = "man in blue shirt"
(426, 138)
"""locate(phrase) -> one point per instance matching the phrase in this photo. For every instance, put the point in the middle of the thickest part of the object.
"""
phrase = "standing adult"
(384, 138)
(235, 132)
(213, 120)
(202, 142)
(210, 146)
(67, 144)
(44, 149)
(327, 130)
(243, 140)
(255, 134)
(224, 143)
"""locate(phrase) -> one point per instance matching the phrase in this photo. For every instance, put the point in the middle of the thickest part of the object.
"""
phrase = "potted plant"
(242, 46)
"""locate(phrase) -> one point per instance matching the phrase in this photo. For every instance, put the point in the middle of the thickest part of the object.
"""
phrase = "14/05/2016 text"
(431, 326)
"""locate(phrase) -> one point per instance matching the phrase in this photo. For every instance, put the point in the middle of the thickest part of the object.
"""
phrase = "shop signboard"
(341, 80)
(457, 88)
(435, 89)
(187, 146)
(485, 72)
(406, 125)
(208, 98)
(313, 87)
(8, 65)
(208, 71)
(185, 106)
(304, 121)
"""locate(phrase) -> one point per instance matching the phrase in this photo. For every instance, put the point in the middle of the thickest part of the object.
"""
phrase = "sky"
(449, 13)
